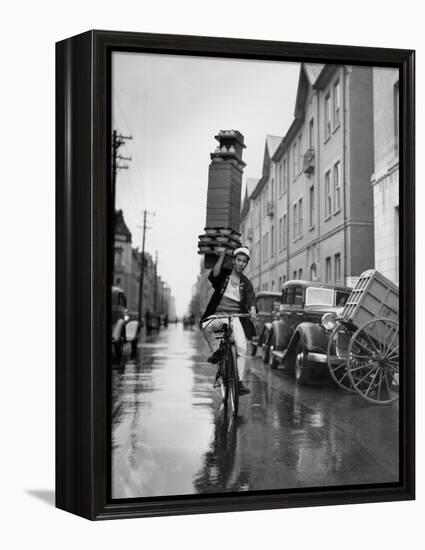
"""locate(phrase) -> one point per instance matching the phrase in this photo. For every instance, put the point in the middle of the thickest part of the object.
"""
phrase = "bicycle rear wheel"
(233, 379)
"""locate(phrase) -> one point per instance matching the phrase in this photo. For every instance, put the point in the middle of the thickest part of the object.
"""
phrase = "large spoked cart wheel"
(373, 360)
(363, 349)
(338, 343)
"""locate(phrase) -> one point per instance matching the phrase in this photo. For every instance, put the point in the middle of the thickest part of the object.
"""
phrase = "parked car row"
(292, 328)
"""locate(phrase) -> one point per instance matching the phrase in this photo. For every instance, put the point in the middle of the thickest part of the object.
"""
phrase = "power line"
(138, 168)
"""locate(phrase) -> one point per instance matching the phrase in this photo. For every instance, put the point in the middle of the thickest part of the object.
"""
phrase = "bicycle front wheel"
(233, 379)
(223, 380)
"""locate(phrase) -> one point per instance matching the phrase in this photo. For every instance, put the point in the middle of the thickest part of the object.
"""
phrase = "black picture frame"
(84, 229)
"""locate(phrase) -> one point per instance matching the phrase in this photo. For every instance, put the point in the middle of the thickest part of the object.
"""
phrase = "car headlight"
(329, 321)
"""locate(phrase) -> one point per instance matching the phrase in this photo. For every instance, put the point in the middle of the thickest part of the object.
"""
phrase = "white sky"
(173, 106)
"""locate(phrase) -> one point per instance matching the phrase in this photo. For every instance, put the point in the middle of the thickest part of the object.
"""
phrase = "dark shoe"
(215, 357)
(243, 390)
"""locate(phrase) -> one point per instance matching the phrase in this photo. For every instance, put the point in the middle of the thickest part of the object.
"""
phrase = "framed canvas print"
(235, 282)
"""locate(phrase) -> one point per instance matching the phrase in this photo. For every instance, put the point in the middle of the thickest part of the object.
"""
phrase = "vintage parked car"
(298, 339)
(267, 309)
(125, 326)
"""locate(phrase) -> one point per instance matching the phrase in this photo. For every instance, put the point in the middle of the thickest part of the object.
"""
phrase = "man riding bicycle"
(233, 293)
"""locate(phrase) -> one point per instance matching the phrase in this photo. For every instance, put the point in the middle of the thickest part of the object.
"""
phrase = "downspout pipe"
(344, 170)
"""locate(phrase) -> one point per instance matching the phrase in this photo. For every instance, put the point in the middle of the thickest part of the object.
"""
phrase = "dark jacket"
(247, 294)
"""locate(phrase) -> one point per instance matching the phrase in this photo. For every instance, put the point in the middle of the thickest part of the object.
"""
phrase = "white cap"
(242, 250)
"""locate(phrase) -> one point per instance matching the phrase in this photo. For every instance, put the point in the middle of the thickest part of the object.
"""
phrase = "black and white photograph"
(254, 296)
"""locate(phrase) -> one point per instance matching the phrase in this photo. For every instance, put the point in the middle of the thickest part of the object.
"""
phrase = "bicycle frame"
(229, 378)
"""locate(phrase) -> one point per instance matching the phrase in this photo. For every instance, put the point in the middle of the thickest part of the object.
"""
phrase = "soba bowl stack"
(223, 198)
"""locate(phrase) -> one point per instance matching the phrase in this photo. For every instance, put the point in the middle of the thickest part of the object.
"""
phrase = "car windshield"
(267, 304)
(292, 296)
(316, 296)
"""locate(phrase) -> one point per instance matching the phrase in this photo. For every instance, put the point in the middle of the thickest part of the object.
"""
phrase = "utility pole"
(156, 282)
(118, 140)
(142, 267)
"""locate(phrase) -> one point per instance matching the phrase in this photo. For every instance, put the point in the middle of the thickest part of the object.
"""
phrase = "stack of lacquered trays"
(216, 238)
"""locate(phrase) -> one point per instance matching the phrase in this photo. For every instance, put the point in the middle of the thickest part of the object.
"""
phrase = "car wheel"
(265, 352)
(300, 363)
(134, 347)
(118, 349)
(273, 361)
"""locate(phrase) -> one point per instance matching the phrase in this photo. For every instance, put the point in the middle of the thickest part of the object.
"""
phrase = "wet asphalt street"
(172, 436)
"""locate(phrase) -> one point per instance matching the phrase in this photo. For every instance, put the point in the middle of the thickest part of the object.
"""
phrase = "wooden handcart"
(363, 348)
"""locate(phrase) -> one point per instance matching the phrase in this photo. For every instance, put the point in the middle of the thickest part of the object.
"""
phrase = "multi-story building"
(123, 258)
(201, 292)
(260, 228)
(312, 209)
(127, 268)
(385, 178)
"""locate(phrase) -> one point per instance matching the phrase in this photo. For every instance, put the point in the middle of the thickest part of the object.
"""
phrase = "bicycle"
(227, 373)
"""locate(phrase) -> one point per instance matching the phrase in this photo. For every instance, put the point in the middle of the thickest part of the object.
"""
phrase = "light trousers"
(208, 328)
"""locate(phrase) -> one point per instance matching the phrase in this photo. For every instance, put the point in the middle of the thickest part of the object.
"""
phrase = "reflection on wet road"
(172, 436)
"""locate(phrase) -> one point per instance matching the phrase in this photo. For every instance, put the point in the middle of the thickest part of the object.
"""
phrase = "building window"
(272, 190)
(300, 160)
(280, 234)
(396, 115)
(336, 104)
(294, 160)
(311, 210)
(280, 169)
(337, 188)
(311, 134)
(300, 274)
(328, 270)
(272, 241)
(313, 272)
(294, 274)
(327, 116)
(337, 267)
(285, 175)
(280, 284)
(300, 218)
(328, 196)
(295, 222)
(272, 286)
(265, 197)
(284, 280)
(284, 232)
(119, 257)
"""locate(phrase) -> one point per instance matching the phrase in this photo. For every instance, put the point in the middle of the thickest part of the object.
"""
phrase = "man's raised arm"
(221, 252)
